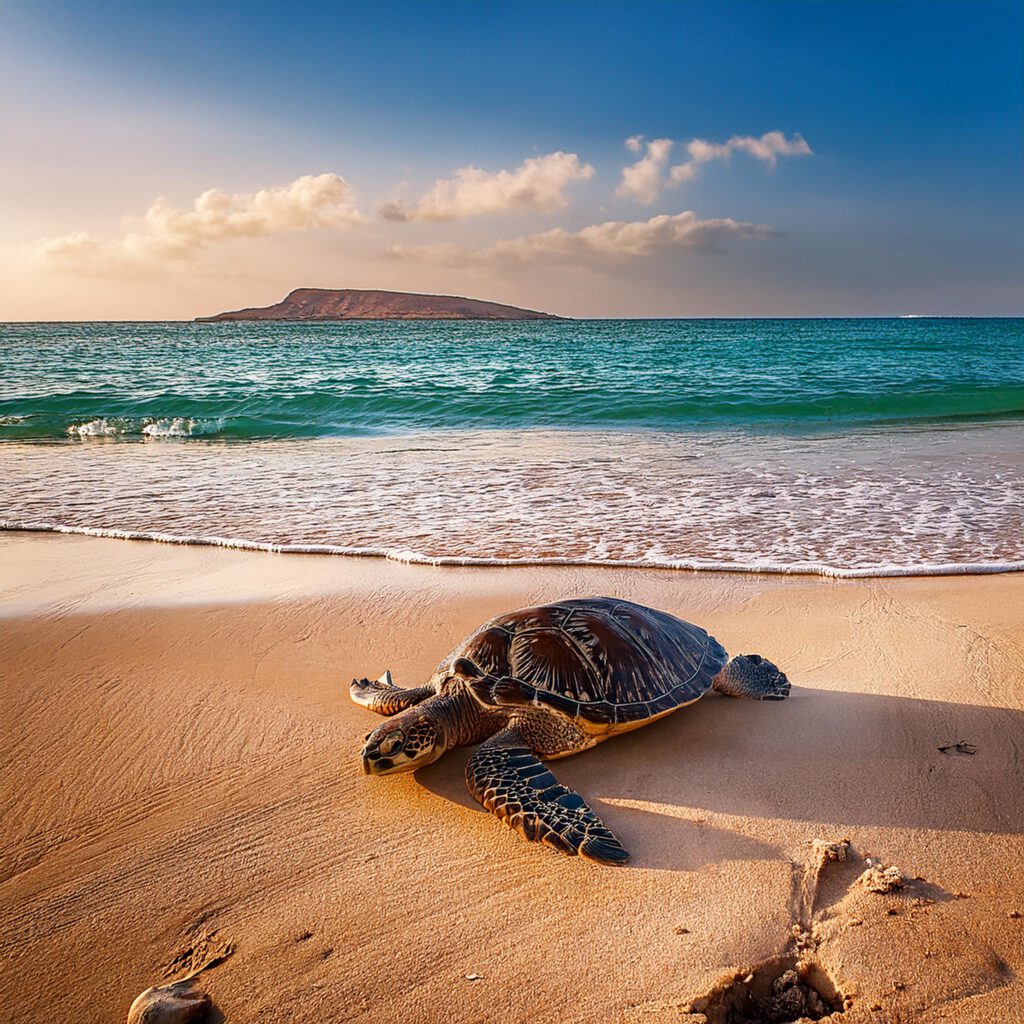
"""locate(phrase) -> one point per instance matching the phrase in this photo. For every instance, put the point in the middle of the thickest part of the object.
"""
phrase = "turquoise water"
(247, 381)
(847, 447)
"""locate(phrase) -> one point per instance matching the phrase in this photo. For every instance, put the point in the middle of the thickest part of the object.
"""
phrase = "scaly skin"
(505, 775)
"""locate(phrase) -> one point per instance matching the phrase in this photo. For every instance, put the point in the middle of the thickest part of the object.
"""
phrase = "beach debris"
(881, 880)
(327, 953)
(961, 748)
(781, 990)
(803, 939)
(680, 930)
(791, 999)
(823, 852)
(1015, 915)
(303, 936)
(177, 1003)
(474, 977)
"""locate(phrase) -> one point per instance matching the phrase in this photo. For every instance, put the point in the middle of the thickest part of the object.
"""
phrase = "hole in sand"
(782, 990)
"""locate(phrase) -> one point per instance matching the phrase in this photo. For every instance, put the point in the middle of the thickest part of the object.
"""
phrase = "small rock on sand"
(178, 1003)
(822, 852)
(883, 880)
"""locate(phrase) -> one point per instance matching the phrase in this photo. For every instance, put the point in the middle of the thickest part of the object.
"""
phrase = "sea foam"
(167, 426)
(944, 502)
(409, 557)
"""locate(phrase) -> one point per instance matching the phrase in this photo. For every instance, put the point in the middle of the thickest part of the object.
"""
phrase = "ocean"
(842, 447)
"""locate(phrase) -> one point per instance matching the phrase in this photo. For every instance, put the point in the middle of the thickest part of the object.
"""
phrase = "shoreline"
(799, 569)
(180, 774)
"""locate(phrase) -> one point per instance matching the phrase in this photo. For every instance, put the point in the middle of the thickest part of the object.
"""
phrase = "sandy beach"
(547, 374)
(181, 786)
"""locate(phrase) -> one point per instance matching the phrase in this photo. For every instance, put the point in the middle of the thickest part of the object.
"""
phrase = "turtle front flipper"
(381, 695)
(507, 778)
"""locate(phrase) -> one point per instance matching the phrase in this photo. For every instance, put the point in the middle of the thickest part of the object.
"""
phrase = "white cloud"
(768, 148)
(645, 180)
(538, 183)
(608, 243)
(169, 234)
(642, 180)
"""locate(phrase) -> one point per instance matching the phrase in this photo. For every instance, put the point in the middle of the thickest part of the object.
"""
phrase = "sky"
(171, 160)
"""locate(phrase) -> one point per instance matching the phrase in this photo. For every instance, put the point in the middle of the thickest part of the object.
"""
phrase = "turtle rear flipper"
(753, 677)
(506, 777)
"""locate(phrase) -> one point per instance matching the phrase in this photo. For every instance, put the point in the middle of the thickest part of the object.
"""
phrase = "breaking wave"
(172, 426)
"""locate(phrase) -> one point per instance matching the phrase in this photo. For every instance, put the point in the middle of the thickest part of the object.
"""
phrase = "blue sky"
(911, 198)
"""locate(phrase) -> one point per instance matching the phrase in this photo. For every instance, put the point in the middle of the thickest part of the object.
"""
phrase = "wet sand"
(180, 784)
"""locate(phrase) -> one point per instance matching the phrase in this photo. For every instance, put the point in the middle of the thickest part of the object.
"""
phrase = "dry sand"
(181, 784)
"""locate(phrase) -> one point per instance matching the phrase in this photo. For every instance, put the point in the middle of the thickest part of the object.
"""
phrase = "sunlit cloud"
(645, 179)
(167, 234)
(613, 242)
(538, 183)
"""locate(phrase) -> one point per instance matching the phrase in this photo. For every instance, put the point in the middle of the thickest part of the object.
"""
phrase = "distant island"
(359, 304)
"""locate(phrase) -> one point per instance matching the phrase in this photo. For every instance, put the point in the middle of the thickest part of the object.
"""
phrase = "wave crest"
(168, 426)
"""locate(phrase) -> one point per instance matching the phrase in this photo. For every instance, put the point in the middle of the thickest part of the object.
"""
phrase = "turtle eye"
(392, 742)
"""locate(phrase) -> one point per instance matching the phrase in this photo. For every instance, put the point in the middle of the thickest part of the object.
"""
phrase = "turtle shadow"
(447, 778)
(825, 757)
(831, 759)
(665, 842)
(654, 840)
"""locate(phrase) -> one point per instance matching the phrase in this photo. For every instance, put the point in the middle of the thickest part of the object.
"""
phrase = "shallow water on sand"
(869, 504)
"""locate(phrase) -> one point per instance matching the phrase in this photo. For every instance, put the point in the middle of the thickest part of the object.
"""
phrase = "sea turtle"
(541, 683)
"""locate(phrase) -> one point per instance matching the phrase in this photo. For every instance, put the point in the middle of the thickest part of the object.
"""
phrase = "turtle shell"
(604, 660)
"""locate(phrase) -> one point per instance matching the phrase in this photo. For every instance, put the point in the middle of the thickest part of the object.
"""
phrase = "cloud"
(612, 242)
(645, 180)
(538, 183)
(768, 148)
(642, 180)
(169, 234)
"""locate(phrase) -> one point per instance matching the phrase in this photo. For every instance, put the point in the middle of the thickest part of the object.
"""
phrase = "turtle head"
(404, 743)
(419, 735)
